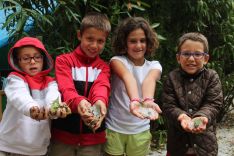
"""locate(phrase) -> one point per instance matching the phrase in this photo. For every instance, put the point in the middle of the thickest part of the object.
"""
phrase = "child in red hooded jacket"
(30, 92)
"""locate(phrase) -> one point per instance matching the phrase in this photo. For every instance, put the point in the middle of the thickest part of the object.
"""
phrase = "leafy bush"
(228, 89)
(159, 133)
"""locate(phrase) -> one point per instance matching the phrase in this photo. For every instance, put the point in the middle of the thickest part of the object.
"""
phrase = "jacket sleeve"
(18, 95)
(100, 89)
(213, 98)
(52, 93)
(170, 107)
(65, 82)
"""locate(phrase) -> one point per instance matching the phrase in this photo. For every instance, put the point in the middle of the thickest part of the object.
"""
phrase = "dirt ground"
(225, 136)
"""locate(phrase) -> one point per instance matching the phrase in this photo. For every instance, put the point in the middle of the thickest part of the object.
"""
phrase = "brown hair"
(194, 36)
(119, 39)
(96, 20)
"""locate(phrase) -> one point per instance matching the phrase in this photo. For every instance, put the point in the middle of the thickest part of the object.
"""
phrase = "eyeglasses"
(37, 58)
(196, 54)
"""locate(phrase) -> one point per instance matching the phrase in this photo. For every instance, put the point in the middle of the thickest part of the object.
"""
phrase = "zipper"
(86, 82)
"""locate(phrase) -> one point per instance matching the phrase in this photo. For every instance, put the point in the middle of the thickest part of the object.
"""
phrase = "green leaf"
(155, 25)
(62, 2)
(85, 2)
(37, 16)
(54, 106)
(145, 4)
(74, 15)
(9, 19)
(138, 7)
(12, 1)
(197, 123)
(160, 37)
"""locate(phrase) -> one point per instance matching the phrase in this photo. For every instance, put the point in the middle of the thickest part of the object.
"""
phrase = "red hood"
(30, 41)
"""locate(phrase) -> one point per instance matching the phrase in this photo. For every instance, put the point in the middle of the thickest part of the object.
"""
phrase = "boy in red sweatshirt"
(83, 80)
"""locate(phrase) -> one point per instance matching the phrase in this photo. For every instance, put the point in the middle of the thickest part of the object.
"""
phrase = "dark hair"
(194, 36)
(119, 39)
(15, 56)
(96, 20)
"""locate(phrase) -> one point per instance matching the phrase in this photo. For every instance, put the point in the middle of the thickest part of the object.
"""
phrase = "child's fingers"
(100, 106)
(138, 114)
(52, 113)
(42, 114)
(202, 126)
(86, 114)
(199, 124)
(34, 112)
(61, 113)
(134, 105)
(183, 117)
(87, 119)
(157, 108)
(98, 124)
(103, 109)
(200, 129)
(83, 109)
(46, 113)
(185, 124)
(153, 105)
(204, 120)
(154, 116)
(83, 106)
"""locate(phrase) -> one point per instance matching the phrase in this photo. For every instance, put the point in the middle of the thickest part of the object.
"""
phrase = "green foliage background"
(55, 22)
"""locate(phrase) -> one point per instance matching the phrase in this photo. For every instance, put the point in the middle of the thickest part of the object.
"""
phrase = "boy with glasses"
(192, 97)
(30, 92)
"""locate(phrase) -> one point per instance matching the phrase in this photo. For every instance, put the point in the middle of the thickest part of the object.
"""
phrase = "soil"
(225, 136)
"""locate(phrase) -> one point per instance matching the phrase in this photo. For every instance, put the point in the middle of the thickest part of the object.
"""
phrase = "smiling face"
(191, 64)
(30, 60)
(92, 41)
(136, 46)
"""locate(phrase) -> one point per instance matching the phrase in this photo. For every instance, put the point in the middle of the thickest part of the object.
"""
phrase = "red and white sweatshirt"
(80, 77)
(19, 133)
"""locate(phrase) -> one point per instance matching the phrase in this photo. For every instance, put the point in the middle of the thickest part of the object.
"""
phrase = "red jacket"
(80, 77)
